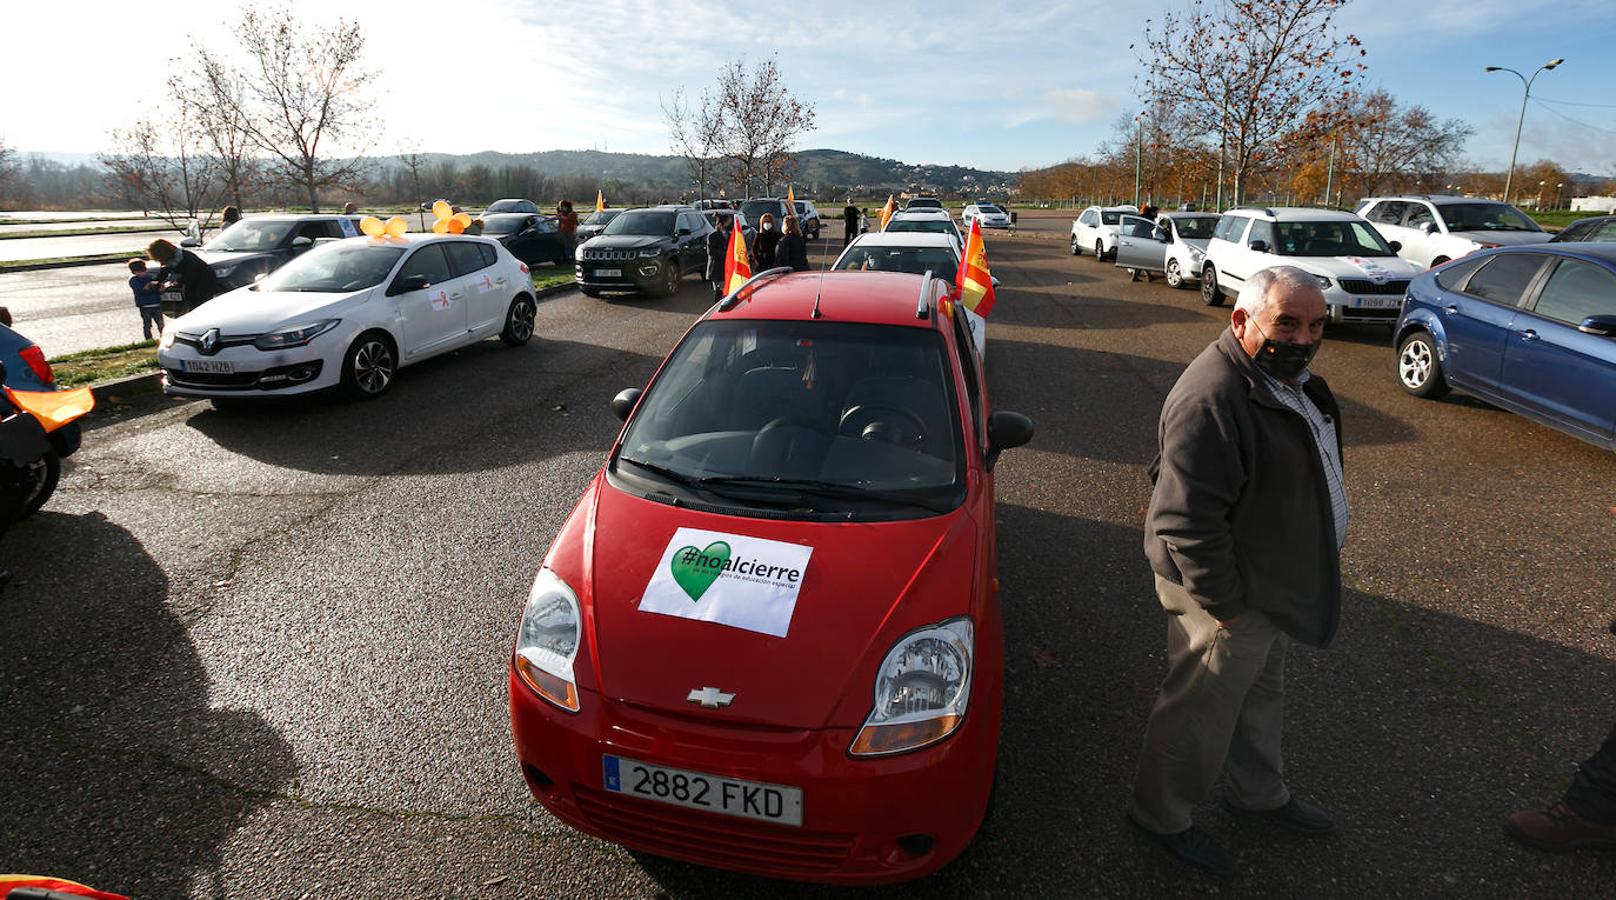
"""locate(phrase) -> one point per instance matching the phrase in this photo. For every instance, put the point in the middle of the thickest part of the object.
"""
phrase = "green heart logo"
(696, 570)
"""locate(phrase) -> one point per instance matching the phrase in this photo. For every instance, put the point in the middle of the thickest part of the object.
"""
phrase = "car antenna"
(820, 289)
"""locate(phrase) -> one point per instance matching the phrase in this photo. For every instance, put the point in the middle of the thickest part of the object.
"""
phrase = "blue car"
(1531, 329)
(26, 370)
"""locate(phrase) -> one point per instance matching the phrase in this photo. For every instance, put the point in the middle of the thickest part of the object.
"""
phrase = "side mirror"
(302, 242)
(1259, 246)
(1397, 246)
(410, 283)
(1006, 430)
(190, 242)
(995, 280)
(1603, 326)
(625, 401)
(1429, 228)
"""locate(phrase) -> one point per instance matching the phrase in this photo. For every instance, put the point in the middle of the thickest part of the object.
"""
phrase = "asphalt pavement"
(70, 309)
(262, 653)
(132, 243)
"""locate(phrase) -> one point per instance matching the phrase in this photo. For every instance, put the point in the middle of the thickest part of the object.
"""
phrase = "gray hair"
(1255, 295)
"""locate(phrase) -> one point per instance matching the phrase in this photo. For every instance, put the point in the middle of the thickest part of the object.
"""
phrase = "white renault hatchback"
(349, 314)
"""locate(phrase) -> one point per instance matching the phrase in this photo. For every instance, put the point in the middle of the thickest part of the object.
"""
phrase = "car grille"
(195, 340)
(735, 842)
(213, 380)
(610, 255)
(1365, 286)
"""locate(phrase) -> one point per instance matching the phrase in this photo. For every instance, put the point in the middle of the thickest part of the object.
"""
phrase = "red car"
(768, 637)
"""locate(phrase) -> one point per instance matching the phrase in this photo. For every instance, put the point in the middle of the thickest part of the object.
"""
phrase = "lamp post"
(1557, 187)
(1540, 186)
(1509, 178)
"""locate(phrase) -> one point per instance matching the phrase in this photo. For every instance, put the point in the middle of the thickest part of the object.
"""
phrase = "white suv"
(1435, 229)
(1360, 273)
(1096, 229)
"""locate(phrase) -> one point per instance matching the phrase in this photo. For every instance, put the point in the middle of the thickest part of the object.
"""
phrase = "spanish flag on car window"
(600, 199)
(791, 202)
(9, 883)
(887, 211)
(974, 283)
(736, 268)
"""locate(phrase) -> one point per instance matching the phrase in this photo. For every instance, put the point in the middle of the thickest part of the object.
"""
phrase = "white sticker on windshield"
(730, 579)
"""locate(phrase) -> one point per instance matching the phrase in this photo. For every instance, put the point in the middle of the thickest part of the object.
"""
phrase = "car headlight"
(921, 690)
(547, 641)
(296, 336)
(1324, 282)
(166, 340)
(224, 271)
(650, 253)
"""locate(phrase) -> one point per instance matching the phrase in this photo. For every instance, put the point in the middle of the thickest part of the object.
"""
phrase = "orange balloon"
(396, 226)
(455, 225)
(442, 209)
(464, 220)
(372, 226)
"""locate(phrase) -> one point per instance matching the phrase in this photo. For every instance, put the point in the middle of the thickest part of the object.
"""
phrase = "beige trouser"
(1219, 709)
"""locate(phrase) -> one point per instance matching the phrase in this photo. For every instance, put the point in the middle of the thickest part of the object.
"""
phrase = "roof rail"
(728, 303)
(923, 310)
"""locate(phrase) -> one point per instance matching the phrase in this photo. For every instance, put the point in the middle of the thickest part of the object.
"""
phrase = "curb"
(552, 290)
(120, 389)
(108, 260)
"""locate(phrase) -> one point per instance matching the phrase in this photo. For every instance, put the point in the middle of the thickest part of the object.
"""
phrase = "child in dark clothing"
(148, 297)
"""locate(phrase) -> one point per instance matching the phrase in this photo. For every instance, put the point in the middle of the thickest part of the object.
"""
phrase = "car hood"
(245, 311)
(1504, 238)
(1377, 269)
(848, 613)
(1195, 243)
(626, 242)
(219, 259)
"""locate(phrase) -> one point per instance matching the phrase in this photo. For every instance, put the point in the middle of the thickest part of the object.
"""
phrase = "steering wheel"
(860, 421)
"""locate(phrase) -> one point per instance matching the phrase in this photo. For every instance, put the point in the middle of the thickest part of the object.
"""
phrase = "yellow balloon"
(396, 226)
(442, 209)
(441, 226)
(371, 226)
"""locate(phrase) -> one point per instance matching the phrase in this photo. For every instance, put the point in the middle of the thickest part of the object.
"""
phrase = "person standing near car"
(764, 245)
(230, 216)
(850, 222)
(567, 225)
(1244, 533)
(793, 247)
(148, 301)
(185, 271)
(718, 252)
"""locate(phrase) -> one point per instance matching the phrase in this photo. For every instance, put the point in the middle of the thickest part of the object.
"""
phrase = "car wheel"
(38, 482)
(519, 321)
(670, 278)
(1419, 369)
(1175, 275)
(368, 367)
(1099, 251)
(1077, 249)
(1210, 295)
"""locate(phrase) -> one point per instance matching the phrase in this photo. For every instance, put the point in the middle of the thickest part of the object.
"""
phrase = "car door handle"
(1529, 335)
(1451, 310)
(457, 296)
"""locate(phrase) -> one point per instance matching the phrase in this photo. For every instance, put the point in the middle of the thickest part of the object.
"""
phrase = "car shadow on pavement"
(484, 407)
(117, 771)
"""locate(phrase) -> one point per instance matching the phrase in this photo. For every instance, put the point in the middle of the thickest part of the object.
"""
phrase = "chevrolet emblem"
(710, 697)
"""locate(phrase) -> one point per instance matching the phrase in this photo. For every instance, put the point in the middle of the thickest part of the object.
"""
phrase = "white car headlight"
(167, 339)
(921, 690)
(1324, 282)
(547, 641)
(224, 271)
(295, 336)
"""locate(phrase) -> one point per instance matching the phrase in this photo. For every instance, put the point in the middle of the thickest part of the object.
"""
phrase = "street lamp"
(1540, 186)
(1509, 178)
(1558, 185)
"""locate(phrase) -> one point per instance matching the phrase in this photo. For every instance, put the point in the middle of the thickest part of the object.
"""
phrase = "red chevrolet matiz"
(768, 637)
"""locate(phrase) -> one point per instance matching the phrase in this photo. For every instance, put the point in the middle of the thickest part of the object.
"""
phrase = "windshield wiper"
(824, 489)
(674, 476)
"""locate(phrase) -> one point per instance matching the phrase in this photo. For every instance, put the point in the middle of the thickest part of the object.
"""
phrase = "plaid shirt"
(1324, 439)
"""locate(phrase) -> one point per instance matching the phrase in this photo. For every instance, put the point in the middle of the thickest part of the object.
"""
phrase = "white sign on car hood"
(245, 311)
(1376, 269)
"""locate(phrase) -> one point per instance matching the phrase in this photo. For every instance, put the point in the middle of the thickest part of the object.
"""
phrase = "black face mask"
(1283, 359)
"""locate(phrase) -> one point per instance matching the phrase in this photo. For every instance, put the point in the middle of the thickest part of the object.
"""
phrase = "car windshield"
(805, 419)
(1110, 217)
(251, 235)
(940, 261)
(1486, 217)
(502, 206)
(1195, 228)
(754, 209)
(989, 209)
(1329, 239)
(336, 268)
(504, 224)
(923, 226)
(802, 208)
(640, 221)
(602, 217)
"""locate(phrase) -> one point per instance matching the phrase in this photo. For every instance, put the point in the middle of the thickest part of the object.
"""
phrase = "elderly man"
(1244, 533)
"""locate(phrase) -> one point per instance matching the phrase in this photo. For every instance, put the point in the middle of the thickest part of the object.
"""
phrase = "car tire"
(39, 482)
(1099, 251)
(1175, 275)
(1077, 248)
(369, 366)
(1419, 368)
(669, 285)
(519, 321)
(1210, 294)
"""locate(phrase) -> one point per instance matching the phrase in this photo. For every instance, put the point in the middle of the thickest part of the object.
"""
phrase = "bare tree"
(410, 156)
(1250, 72)
(696, 132)
(761, 120)
(165, 167)
(215, 97)
(304, 87)
(1388, 144)
(8, 169)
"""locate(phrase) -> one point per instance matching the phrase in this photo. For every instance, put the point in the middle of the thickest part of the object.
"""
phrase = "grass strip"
(93, 366)
(86, 232)
(550, 276)
(69, 260)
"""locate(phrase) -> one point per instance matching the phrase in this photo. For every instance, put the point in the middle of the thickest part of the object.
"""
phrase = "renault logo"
(209, 344)
(710, 697)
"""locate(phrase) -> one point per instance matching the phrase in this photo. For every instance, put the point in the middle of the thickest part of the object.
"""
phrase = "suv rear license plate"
(608, 273)
(713, 793)
(211, 366)
(1379, 302)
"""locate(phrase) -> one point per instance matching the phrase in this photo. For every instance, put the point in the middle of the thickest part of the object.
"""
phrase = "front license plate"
(714, 793)
(1379, 302)
(212, 366)
(608, 273)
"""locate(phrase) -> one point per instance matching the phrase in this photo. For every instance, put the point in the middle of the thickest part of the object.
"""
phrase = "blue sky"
(997, 85)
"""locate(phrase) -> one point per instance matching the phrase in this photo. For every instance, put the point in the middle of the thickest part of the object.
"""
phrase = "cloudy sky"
(996, 85)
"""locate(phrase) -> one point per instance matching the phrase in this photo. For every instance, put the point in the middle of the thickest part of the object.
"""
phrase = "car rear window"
(1576, 291)
(1110, 218)
(940, 261)
(464, 257)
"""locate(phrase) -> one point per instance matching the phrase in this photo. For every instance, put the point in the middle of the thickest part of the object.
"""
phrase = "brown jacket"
(1240, 515)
